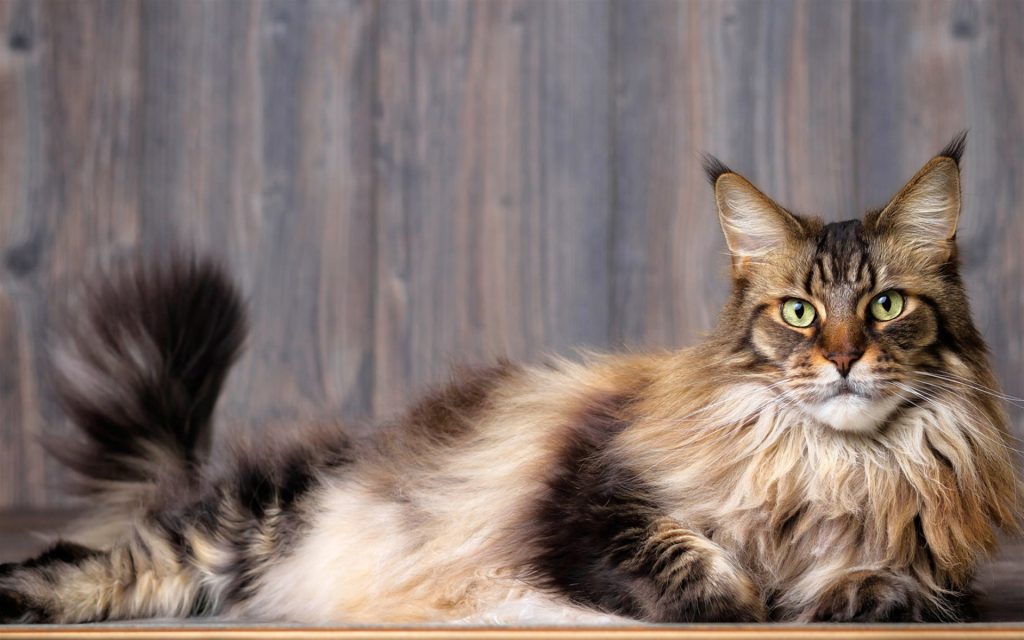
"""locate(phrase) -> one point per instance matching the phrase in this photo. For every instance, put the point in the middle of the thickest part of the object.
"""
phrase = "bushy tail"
(140, 373)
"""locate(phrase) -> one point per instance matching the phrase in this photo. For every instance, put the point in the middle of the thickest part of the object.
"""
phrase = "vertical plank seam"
(141, 62)
(855, 118)
(374, 204)
(612, 330)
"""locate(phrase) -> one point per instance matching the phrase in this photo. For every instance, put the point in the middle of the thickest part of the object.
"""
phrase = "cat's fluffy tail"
(140, 373)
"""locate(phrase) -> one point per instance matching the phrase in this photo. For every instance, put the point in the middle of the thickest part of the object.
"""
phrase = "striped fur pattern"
(852, 468)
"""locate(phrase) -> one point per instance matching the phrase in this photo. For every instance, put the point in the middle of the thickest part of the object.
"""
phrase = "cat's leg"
(867, 595)
(69, 583)
(690, 578)
(602, 538)
(634, 563)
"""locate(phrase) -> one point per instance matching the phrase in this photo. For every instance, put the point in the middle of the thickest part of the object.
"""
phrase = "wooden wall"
(399, 185)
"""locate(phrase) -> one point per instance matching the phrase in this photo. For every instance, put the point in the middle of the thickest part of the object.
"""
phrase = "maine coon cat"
(834, 450)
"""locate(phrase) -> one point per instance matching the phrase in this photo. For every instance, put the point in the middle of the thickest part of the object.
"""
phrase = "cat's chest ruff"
(814, 493)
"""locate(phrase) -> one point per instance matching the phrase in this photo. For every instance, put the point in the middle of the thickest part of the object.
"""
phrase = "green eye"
(887, 305)
(798, 313)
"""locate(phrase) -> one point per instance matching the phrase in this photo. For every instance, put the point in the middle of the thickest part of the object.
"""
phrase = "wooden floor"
(1000, 583)
(673, 632)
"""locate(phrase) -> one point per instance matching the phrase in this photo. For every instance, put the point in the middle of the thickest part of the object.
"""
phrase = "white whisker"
(975, 386)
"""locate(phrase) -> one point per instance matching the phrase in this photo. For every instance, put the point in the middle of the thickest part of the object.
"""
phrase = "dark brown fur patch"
(448, 412)
(603, 542)
(61, 552)
(157, 341)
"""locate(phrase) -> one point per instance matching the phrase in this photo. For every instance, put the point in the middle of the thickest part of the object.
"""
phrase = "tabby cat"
(834, 451)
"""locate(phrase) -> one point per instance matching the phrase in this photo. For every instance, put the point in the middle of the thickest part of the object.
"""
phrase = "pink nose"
(844, 361)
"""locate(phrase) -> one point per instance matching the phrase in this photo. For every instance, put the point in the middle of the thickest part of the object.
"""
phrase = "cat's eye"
(886, 305)
(798, 313)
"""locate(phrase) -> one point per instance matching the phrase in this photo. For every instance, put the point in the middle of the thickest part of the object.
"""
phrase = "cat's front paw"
(741, 601)
(868, 596)
(699, 581)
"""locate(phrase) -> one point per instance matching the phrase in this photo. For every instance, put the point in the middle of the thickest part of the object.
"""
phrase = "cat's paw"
(702, 583)
(868, 596)
(740, 600)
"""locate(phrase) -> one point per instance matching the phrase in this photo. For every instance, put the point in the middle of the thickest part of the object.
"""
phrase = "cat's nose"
(844, 361)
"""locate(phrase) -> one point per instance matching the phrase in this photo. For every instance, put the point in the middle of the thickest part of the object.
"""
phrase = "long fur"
(850, 469)
(138, 372)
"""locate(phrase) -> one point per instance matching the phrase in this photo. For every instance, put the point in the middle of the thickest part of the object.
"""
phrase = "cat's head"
(851, 319)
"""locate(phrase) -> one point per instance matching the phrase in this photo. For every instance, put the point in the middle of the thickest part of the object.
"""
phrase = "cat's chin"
(852, 413)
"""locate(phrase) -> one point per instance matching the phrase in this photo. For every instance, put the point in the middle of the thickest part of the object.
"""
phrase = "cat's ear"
(924, 214)
(753, 224)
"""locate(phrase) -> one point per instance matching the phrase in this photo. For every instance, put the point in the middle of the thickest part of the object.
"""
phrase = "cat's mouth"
(851, 407)
(845, 388)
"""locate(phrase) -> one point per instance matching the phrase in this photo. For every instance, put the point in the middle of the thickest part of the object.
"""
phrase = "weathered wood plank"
(201, 154)
(257, 129)
(16, 235)
(493, 195)
(70, 104)
(760, 85)
(229, 127)
(925, 71)
(312, 270)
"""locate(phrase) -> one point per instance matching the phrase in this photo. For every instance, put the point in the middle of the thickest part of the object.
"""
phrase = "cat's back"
(455, 482)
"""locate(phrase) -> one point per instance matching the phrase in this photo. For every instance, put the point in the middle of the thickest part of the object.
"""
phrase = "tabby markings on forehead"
(856, 277)
(835, 268)
(841, 253)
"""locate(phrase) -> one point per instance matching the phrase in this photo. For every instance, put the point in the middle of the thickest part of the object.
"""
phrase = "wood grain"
(258, 149)
(401, 185)
(677, 632)
(69, 175)
(764, 87)
(927, 69)
(492, 186)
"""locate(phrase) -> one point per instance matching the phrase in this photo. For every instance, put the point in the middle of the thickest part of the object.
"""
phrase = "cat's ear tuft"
(751, 221)
(955, 149)
(713, 168)
(924, 214)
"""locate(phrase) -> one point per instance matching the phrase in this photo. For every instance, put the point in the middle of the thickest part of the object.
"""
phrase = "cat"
(835, 450)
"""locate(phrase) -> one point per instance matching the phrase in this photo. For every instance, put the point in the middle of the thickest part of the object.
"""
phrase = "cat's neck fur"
(753, 468)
